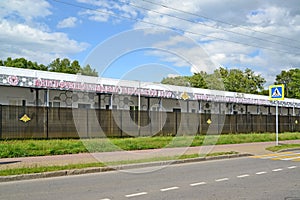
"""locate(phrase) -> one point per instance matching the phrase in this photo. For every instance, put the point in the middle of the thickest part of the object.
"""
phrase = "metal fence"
(42, 122)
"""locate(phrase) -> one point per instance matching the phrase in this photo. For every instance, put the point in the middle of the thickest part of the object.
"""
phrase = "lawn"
(40, 169)
(24, 148)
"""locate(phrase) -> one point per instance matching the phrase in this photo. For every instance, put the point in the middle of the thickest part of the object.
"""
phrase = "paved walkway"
(252, 148)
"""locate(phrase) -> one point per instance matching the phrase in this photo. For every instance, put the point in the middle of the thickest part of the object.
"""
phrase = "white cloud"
(67, 22)
(25, 32)
(250, 20)
(98, 15)
(21, 40)
(25, 9)
(102, 11)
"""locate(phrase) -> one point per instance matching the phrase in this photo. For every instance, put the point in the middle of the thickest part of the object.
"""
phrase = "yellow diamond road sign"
(276, 92)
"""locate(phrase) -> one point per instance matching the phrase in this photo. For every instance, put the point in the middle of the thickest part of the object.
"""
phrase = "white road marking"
(200, 183)
(222, 179)
(279, 155)
(168, 189)
(292, 167)
(105, 199)
(292, 158)
(136, 194)
(277, 170)
(259, 173)
(244, 175)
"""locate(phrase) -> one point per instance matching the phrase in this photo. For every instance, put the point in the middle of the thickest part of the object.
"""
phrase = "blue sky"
(180, 37)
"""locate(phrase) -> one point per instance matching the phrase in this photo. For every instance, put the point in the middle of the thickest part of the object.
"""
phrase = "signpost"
(276, 93)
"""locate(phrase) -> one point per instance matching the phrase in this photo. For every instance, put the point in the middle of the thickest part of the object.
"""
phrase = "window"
(114, 107)
(23, 102)
(56, 104)
(178, 110)
(85, 106)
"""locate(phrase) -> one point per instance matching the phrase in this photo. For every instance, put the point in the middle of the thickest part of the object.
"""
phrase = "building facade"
(25, 87)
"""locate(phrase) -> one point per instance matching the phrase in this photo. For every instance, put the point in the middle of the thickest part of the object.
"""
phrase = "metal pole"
(139, 108)
(276, 123)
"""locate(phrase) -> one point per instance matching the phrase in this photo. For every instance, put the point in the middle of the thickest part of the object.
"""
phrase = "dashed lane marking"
(276, 170)
(222, 179)
(168, 189)
(243, 176)
(204, 183)
(259, 173)
(136, 194)
(199, 183)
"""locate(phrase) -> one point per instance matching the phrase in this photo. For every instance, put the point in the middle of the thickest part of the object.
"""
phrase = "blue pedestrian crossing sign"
(276, 92)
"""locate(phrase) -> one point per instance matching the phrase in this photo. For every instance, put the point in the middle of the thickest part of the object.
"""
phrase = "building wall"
(67, 99)
(18, 96)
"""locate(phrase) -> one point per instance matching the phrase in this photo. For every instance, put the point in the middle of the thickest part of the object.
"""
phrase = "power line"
(217, 20)
(211, 26)
(169, 27)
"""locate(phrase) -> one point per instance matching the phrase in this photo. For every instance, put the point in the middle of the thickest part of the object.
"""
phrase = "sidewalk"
(251, 148)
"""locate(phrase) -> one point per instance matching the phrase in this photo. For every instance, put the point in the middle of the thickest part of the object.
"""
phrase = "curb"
(106, 169)
(290, 149)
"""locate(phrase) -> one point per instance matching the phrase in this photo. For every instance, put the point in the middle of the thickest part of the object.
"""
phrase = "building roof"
(19, 77)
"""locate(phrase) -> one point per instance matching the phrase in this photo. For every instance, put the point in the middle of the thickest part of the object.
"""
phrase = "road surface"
(240, 178)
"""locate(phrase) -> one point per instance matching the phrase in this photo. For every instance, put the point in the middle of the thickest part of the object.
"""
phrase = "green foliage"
(290, 79)
(283, 147)
(64, 66)
(198, 80)
(246, 81)
(234, 80)
(215, 81)
(293, 89)
(22, 63)
(87, 70)
(178, 80)
(40, 169)
(57, 65)
(31, 170)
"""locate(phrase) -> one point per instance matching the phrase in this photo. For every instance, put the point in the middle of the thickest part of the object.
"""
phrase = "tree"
(22, 63)
(198, 80)
(234, 80)
(64, 66)
(293, 87)
(178, 80)
(88, 71)
(57, 65)
(215, 81)
(247, 81)
(289, 79)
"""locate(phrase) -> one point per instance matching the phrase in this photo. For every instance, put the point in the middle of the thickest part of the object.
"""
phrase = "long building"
(25, 87)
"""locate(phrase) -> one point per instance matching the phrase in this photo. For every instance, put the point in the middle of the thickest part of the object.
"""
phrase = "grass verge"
(24, 148)
(40, 169)
(283, 147)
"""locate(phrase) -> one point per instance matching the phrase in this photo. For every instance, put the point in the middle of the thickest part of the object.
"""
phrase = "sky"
(148, 40)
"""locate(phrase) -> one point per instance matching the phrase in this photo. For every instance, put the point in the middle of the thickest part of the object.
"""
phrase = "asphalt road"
(241, 178)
